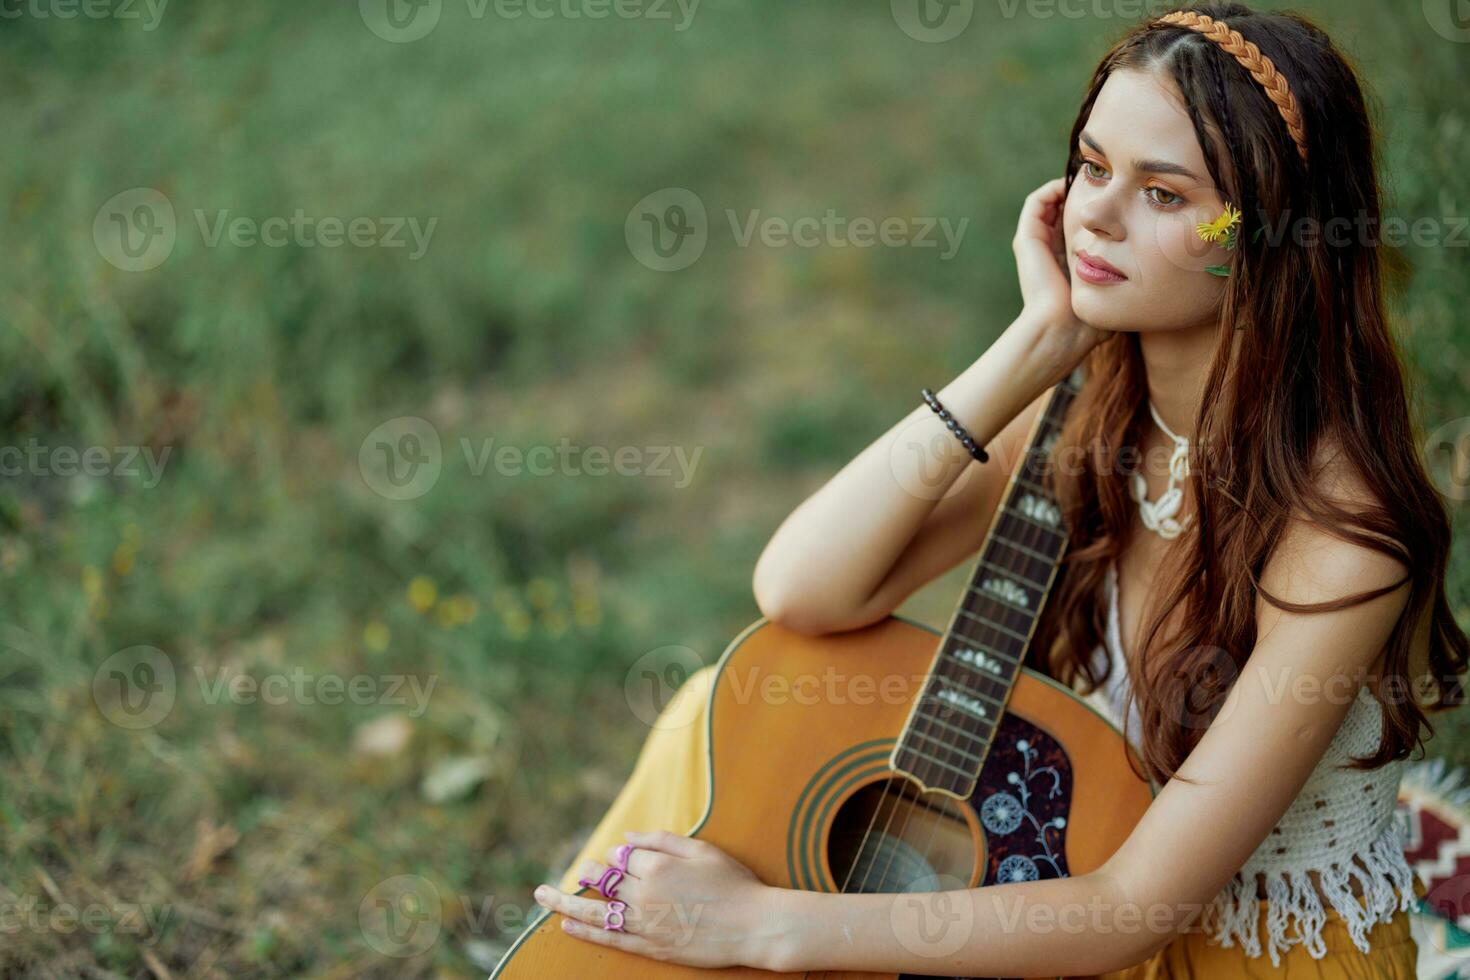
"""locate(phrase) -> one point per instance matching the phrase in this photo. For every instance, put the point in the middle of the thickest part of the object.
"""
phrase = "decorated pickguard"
(1022, 800)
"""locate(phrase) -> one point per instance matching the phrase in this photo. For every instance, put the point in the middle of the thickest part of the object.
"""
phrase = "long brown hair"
(1304, 353)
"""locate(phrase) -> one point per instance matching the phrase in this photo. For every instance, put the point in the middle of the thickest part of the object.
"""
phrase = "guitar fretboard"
(950, 728)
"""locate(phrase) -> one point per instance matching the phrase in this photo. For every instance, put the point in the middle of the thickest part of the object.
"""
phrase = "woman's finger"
(623, 887)
(639, 863)
(589, 911)
(629, 941)
(666, 841)
(1038, 221)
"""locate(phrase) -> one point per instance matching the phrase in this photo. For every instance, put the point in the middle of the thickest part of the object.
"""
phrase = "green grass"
(262, 370)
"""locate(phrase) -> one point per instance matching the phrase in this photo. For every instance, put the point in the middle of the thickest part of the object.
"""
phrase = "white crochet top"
(1339, 816)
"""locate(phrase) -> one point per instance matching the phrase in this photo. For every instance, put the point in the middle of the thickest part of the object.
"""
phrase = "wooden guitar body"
(803, 789)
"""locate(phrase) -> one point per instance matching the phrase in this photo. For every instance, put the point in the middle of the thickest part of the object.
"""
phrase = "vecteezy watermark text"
(137, 688)
(669, 229)
(86, 9)
(402, 21)
(402, 458)
(35, 459)
(31, 913)
(138, 229)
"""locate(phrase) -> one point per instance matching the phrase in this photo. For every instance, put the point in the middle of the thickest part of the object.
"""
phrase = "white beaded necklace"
(1158, 515)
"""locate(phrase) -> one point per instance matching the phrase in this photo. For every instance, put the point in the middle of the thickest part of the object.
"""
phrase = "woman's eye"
(1096, 172)
(1173, 198)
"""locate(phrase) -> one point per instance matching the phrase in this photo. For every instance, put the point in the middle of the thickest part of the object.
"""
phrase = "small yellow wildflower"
(587, 611)
(377, 636)
(122, 559)
(517, 624)
(1222, 230)
(422, 593)
(541, 591)
(91, 583)
(464, 607)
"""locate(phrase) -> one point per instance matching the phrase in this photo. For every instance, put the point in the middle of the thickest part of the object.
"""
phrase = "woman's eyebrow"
(1151, 166)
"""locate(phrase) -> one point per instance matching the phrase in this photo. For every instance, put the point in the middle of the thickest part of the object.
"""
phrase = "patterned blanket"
(1434, 814)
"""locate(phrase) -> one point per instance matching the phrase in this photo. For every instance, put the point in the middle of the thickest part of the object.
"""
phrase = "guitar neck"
(952, 724)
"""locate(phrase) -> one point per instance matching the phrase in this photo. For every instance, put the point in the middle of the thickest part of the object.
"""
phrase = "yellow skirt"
(669, 790)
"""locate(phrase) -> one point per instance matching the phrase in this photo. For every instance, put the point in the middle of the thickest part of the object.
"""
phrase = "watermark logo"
(667, 230)
(136, 230)
(401, 916)
(135, 688)
(657, 689)
(936, 918)
(1210, 680)
(401, 21)
(1450, 19)
(1447, 454)
(401, 459)
(932, 21)
(920, 458)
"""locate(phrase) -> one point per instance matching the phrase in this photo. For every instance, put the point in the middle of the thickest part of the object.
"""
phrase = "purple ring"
(614, 909)
(608, 888)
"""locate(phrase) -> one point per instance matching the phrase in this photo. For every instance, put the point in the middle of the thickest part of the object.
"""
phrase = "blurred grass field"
(254, 834)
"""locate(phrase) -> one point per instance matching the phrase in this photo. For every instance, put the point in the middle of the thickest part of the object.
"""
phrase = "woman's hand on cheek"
(1043, 268)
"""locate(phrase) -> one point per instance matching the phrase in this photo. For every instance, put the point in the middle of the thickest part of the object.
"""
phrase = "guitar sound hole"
(888, 837)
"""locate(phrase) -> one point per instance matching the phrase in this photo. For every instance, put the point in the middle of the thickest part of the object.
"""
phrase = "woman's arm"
(1270, 733)
(914, 502)
(908, 507)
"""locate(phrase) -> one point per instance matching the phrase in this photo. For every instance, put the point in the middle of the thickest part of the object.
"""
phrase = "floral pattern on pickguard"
(1022, 799)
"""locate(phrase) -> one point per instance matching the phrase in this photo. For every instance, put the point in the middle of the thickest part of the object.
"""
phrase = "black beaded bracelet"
(954, 426)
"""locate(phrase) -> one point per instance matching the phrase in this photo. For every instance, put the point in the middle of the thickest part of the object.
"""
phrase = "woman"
(1188, 261)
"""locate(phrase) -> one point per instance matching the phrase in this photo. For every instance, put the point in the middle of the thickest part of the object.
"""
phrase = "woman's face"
(1130, 206)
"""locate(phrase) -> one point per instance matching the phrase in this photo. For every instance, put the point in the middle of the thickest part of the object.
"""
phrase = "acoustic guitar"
(934, 766)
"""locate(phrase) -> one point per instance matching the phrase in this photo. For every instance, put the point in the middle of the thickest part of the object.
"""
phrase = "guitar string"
(1029, 536)
(1027, 531)
(1059, 408)
(895, 800)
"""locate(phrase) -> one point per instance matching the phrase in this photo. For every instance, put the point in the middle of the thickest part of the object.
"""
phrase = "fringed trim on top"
(1388, 887)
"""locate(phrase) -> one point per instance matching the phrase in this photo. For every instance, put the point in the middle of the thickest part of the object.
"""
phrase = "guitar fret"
(984, 674)
(1047, 559)
(1021, 516)
(1000, 655)
(926, 758)
(994, 701)
(950, 747)
(1002, 600)
(1038, 586)
(1018, 621)
(1034, 488)
(993, 690)
(1006, 555)
(991, 623)
(977, 739)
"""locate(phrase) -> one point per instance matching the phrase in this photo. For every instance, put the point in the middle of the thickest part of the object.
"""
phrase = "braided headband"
(1260, 67)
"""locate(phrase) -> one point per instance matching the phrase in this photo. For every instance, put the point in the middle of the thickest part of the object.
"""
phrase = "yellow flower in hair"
(1224, 230)
(1221, 231)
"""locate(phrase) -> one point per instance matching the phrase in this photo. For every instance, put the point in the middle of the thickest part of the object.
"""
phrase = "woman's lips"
(1096, 274)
